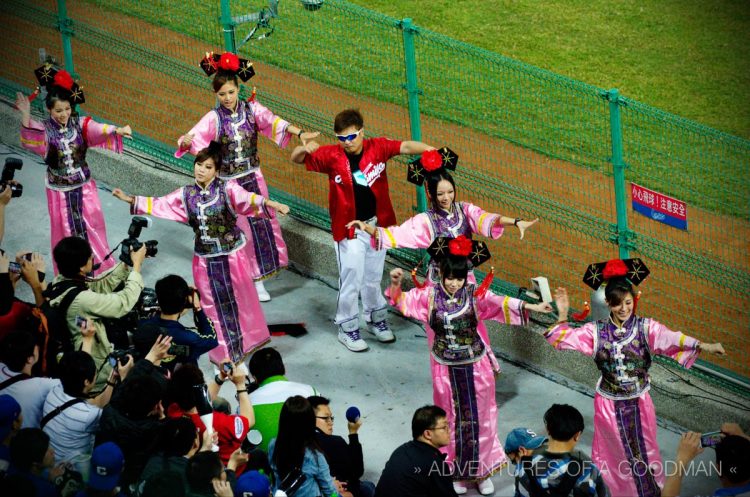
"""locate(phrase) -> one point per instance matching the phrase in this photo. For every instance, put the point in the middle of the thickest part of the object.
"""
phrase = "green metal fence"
(531, 143)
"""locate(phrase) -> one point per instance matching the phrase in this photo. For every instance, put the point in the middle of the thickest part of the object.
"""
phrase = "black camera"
(120, 356)
(9, 171)
(131, 243)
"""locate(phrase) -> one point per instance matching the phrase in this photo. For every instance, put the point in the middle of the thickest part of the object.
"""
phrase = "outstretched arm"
(412, 148)
(299, 153)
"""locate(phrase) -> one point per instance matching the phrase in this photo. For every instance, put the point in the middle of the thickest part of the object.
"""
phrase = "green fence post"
(65, 26)
(623, 236)
(413, 92)
(228, 26)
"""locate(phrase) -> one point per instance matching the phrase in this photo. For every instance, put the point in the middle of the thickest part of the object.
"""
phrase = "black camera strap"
(13, 380)
(57, 410)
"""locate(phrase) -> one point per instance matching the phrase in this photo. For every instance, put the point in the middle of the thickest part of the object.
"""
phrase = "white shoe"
(352, 341)
(263, 294)
(486, 487)
(381, 331)
(459, 488)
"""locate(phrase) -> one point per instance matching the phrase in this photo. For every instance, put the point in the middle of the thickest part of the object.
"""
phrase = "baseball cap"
(106, 465)
(252, 484)
(522, 437)
(9, 411)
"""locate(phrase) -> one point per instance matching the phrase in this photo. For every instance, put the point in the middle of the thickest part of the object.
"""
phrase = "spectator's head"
(521, 442)
(163, 483)
(564, 423)
(266, 363)
(252, 484)
(442, 190)
(349, 128)
(184, 385)
(179, 437)
(30, 451)
(19, 349)
(140, 397)
(430, 425)
(203, 469)
(107, 462)
(296, 433)
(323, 414)
(172, 292)
(10, 417)
(732, 459)
(73, 257)
(77, 373)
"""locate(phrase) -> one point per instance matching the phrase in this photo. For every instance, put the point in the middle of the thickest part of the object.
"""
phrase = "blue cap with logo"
(9, 411)
(522, 437)
(252, 484)
(107, 462)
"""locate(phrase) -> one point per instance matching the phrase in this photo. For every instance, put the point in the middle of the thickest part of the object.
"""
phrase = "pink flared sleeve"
(203, 133)
(270, 125)
(673, 344)
(34, 138)
(170, 206)
(482, 222)
(413, 304)
(502, 309)
(101, 135)
(245, 203)
(565, 337)
(414, 233)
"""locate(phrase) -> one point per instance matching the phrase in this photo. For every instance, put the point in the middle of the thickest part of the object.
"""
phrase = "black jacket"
(345, 460)
(416, 469)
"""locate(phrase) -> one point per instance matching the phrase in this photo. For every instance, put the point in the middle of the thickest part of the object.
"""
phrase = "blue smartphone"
(711, 439)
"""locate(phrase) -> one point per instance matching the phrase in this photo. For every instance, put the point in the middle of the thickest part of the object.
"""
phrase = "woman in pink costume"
(463, 380)
(446, 218)
(62, 140)
(211, 207)
(235, 124)
(625, 446)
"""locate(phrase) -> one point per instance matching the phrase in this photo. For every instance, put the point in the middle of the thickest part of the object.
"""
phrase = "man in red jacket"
(358, 183)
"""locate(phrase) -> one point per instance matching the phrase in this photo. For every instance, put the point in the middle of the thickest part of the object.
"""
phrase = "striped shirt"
(71, 433)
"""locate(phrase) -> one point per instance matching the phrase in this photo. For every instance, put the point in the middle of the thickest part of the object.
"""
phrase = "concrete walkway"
(387, 383)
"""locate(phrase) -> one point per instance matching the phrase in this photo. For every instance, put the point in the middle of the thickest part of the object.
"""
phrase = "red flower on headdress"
(63, 79)
(229, 62)
(614, 268)
(460, 246)
(431, 160)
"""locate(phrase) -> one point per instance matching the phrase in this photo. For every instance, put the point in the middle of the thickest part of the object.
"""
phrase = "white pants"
(360, 272)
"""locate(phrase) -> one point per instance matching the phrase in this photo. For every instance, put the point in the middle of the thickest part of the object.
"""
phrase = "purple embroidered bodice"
(454, 321)
(238, 136)
(66, 155)
(623, 358)
(212, 219)
(445, 224)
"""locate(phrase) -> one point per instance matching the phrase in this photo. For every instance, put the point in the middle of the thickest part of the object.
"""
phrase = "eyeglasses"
(326, 418)
(440, 428)
(348, 138)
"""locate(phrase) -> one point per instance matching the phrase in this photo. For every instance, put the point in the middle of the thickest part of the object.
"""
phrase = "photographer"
(134, 416)
(175, 297)
(97, 298)
(15, 313)
(5, 196)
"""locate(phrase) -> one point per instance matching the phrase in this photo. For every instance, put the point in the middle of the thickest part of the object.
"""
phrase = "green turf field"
(688, 57)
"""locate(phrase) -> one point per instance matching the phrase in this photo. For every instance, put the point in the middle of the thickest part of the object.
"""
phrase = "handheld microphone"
(352, 414)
